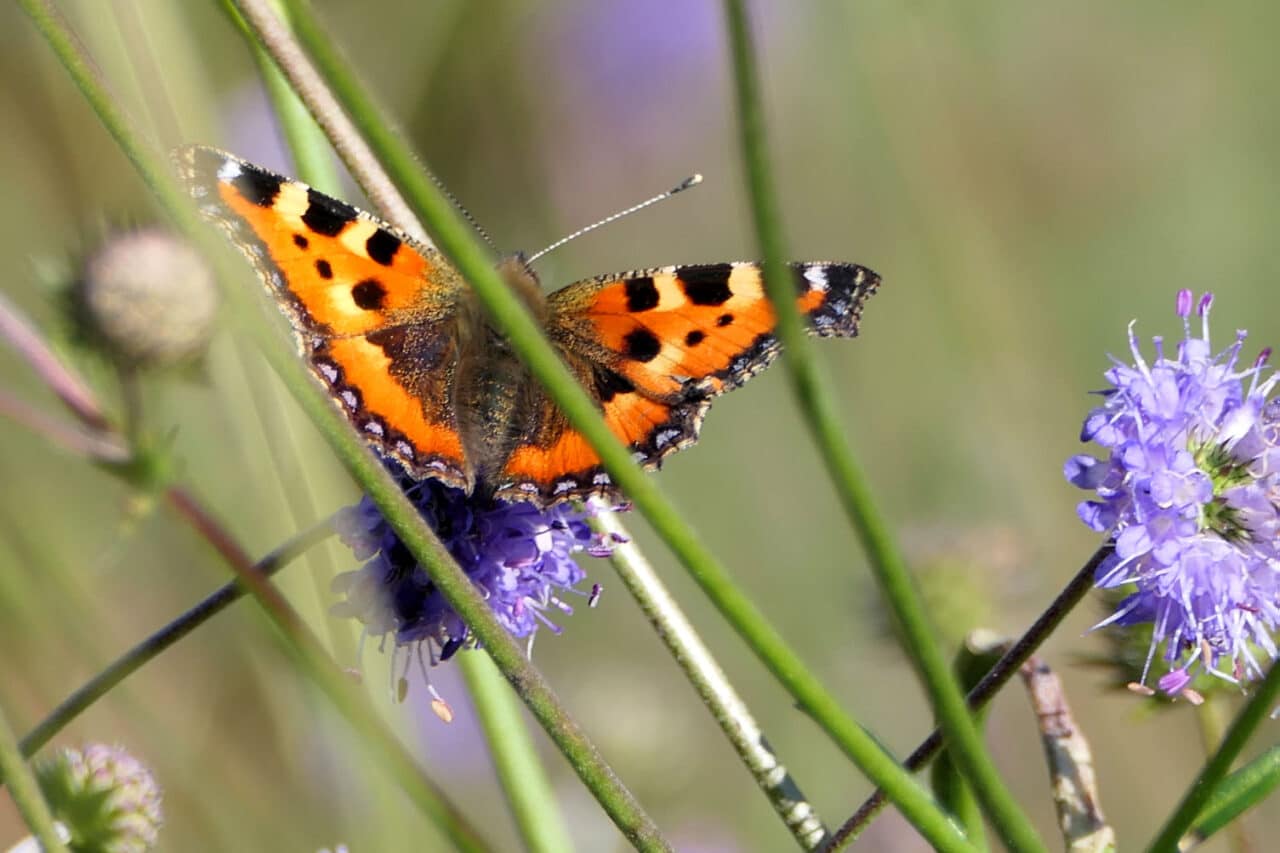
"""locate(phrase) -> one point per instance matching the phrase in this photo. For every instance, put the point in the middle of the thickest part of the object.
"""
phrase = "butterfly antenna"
(466, 214)
(688, 182)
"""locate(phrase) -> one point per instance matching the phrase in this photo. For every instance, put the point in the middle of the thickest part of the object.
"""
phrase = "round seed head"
(149, 299)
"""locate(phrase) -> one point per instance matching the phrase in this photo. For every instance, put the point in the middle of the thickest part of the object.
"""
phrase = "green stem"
(705, 674)
(298, 640)
(378, 484)
(1206, 783)
(963, 738)
(276, 38)
(1239, 792)
(313, 160)
(368, 472)
(524, 782)
(25, 790)
(1212, 717)
(977, 654)
(75, 59)
(1009, 664)
(510, 317)
(306, 141)
(1211, 723)
(150, 648)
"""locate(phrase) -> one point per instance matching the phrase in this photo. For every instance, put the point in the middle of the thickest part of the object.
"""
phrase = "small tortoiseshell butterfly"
(392, 331)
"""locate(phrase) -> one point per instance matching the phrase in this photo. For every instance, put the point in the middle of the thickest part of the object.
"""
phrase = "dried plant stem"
(708, 679)
(91, 444)
(328, 113)
(70, 388)
(1074, 783)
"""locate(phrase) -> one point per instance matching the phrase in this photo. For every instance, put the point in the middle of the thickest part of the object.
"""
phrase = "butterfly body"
(409, 356)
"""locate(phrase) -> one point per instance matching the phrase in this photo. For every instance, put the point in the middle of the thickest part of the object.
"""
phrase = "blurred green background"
(1026, 178)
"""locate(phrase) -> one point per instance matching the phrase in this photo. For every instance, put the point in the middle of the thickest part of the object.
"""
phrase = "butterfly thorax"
(492, 385)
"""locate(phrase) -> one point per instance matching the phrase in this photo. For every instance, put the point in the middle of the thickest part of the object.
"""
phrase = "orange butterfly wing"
(655, 347)
(373, 311)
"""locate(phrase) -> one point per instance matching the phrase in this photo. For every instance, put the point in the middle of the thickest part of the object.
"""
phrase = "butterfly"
(402, 347)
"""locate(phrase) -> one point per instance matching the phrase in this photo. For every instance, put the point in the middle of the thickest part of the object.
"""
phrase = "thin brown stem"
(150, 648)
(92, 444)
(982, 692)
(328, 113)
(70, 388)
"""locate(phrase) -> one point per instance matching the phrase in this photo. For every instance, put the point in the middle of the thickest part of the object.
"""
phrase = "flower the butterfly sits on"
(1190, 492)
(519, 556)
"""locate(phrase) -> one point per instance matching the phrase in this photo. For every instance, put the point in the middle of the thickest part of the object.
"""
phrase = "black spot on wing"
(325, 215)
(694, 338)
(382, 246)
(724, 320)
(300, 241)
(369, 294)
(642, 345)
(257, 186)
(323, 268)
(642, 295)
(609, 385)
(706, 284)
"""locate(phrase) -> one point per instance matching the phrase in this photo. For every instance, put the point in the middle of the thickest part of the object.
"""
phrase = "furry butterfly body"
(396, 337)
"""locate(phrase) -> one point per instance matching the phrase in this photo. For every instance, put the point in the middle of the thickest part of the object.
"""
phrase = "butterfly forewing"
(373, 311)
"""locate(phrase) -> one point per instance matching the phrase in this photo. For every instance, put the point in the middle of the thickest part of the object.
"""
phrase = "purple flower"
(1190, 493)
(519, 556)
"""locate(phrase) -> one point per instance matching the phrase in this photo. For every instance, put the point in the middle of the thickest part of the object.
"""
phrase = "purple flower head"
(1190, 494)
(519, 556)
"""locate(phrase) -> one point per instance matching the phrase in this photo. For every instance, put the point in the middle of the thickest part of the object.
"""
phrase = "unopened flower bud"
(148, 298)
(104, 798)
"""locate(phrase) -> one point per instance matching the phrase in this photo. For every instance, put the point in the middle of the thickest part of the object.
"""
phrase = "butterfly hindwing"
(655, 347)
(373, 311)
(551, 461)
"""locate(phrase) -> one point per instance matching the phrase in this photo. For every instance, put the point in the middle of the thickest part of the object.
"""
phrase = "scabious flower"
(519, 556)
(1190, 493)
(103, 799)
